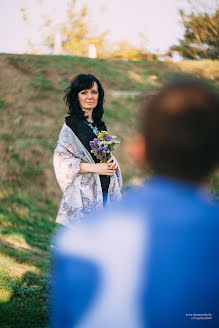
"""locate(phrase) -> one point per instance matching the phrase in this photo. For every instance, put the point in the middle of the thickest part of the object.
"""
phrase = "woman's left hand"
(112, 163)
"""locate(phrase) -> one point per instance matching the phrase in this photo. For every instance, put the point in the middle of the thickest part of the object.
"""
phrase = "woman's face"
(88, 98)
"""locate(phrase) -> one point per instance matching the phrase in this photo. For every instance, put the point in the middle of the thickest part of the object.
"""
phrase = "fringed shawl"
(82, 193)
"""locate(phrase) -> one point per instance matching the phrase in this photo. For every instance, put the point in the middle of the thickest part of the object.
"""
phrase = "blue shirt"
(150, 261)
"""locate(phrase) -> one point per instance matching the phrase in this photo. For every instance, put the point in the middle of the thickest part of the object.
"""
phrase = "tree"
(201, 35)
(76, 34)
(126, 51)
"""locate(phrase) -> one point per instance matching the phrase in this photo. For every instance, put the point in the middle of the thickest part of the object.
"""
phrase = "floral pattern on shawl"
(82, 193)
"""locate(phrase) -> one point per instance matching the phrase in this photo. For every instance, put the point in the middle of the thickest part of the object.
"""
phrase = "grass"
(2, 103)
(40, 83)
(32, 113)
(120, 110)
(26, 227)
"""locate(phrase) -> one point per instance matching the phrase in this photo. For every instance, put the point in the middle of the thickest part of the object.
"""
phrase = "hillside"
(32, 113)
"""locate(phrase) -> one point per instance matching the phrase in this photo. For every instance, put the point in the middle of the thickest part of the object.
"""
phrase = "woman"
(87, 183)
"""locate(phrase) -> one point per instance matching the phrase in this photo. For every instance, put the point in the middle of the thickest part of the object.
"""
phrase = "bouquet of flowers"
(103, 145)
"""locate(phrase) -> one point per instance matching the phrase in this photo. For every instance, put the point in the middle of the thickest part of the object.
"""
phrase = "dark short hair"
(79, 83)
(181, 128)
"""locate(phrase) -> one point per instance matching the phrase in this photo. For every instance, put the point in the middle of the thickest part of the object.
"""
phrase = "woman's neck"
(89, 114)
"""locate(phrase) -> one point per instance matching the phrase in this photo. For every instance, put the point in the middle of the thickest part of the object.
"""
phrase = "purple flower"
(101, 151)
(107, 137)
(91, 143)
(95, 141)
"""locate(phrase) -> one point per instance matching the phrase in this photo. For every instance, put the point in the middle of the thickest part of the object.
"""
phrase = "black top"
(85, 134)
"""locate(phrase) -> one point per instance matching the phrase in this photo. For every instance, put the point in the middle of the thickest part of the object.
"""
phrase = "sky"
(157, 20)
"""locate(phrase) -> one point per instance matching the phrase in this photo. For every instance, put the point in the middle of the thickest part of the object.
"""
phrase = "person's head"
(85, 94)
(180, 126)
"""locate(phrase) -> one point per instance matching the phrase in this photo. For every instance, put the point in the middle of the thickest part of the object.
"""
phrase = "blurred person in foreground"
(151, 261)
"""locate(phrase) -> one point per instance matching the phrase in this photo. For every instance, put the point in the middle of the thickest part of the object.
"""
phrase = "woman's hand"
(99, 168)
(103, 169)
(112, 162)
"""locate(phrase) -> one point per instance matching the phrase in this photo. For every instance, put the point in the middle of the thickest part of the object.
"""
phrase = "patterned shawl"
(82, 193)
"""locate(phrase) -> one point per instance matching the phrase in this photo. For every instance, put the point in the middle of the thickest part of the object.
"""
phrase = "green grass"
(40, 83)
(2, 103)
(27, 306)
(39, 87)
(26, 226)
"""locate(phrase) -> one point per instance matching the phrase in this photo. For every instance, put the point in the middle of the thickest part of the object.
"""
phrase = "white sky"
(158, 20)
